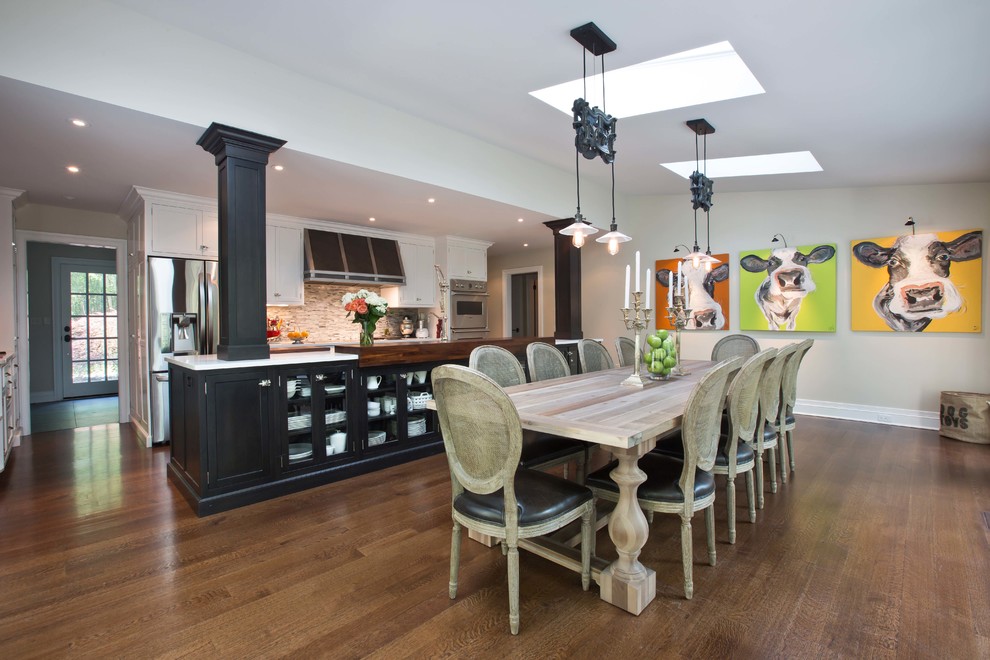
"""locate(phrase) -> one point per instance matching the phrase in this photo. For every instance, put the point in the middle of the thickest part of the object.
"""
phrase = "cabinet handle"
(278, 295)
(319, 378)
(204, 248)
(265, 383)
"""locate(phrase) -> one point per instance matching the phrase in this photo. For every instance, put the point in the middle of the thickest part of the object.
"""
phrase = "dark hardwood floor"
(877, 548)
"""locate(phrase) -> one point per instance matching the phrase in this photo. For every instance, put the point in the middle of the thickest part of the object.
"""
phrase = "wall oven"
(468, 309)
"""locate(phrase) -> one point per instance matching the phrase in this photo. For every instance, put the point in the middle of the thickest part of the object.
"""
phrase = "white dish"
(334, 389)
(298, 451)
(376, 438)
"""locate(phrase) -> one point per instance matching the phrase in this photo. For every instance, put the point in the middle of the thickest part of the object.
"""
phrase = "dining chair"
(545, 362)
(734, 345)
(788, 398)
(682, 486)
(768, 440)
(539, 451)
(490, 493)
(593, 356)
(735, 450)
(625, 350)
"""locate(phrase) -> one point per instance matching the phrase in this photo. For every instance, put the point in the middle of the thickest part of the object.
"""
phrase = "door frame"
(507, 297)
(58, 358)
(21, 238)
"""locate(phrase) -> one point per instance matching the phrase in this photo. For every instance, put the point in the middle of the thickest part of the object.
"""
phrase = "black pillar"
(241, 158)
(567, 282)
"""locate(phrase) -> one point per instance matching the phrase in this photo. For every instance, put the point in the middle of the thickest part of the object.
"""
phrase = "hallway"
(73, 413)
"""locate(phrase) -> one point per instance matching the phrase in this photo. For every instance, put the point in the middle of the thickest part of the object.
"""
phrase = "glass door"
(88, 319)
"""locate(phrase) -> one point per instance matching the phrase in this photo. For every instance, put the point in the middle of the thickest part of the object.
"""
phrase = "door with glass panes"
(87, 316)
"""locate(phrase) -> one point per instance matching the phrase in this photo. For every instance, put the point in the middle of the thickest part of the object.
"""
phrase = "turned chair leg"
(687, 556)
(587, 541)
(710, 530)
(514, 589)
(730, 498)
(772, 466)
(455, 557)
(751, 495)
(759, 480)
(790, 447)
(783, 457)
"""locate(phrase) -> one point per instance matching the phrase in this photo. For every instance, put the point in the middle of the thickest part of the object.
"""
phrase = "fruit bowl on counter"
(297, 336)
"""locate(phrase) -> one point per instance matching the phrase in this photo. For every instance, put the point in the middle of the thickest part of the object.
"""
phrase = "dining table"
(599, 408)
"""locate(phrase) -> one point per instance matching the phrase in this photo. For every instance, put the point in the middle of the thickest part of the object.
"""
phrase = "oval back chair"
(766, 439)
(788, 398)
(490, 493)
(593, 356)
(734, 346)
(545, 362)
(625, 349)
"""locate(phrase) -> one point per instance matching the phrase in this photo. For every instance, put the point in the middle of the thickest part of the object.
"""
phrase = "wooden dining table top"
(596, 407)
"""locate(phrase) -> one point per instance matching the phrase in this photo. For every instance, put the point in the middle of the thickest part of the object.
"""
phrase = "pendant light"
(594, 137)
(701, 195)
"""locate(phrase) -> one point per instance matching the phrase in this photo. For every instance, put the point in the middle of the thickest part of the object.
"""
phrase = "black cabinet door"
(239, 429)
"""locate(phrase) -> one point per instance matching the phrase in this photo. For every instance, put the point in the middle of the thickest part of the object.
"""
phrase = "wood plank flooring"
(878, 547)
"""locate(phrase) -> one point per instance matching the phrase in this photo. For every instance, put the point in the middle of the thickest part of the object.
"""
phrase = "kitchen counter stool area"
(245, 434)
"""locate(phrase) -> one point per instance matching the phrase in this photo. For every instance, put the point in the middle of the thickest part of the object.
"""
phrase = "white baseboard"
(919, 419)
(141, 431)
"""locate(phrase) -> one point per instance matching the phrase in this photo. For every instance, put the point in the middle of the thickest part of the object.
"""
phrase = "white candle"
(649, 299)
(680, 279)
(637, 272)
(687, 299)
(626, 306)
(670, 291)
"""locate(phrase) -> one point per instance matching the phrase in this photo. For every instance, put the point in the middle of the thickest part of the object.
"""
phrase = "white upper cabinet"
(284, 260)
(420, 287)
(184, 232)
(466, 259)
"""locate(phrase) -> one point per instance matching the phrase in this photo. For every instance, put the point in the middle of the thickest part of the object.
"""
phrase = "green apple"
(669, 362)
(662, 334)
(655, 367)
(654, 341)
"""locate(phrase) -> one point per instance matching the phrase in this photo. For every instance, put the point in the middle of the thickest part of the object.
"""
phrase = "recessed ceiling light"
(78, 122)
(525, 244)
(787, 163)
(72, 168)
(702, 75)
(371, 219)
(431, 200)
(69, 197)
(278, 168)
(519, 220)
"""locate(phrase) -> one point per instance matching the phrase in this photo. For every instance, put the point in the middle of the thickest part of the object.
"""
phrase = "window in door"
(91, 331)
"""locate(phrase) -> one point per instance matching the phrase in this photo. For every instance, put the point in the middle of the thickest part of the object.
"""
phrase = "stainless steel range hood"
(351, 259)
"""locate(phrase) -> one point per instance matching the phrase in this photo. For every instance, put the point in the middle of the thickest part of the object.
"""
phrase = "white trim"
(507, 297)
(21, 238)
(918, 419)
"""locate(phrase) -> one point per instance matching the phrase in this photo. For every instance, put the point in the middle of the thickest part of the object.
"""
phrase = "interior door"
(525, 304)
(87, 316)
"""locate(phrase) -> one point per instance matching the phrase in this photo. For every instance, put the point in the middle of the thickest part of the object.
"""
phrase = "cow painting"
(918, 288)
(708, 293)
(787, 283)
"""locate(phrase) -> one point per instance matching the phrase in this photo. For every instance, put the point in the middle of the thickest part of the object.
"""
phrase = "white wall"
(7, 319)
(860, 371)
(58, 220)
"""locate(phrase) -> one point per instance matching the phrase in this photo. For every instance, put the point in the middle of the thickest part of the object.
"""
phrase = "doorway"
(523, 302)
(40, 334)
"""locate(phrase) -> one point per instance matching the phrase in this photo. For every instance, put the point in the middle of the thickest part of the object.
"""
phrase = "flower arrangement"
(367, 308)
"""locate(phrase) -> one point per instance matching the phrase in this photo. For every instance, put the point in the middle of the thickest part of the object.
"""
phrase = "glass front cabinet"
(396, 408)
(314, 416)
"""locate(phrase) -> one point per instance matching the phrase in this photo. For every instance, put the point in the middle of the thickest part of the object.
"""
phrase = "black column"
(241, 158)
(567, 282)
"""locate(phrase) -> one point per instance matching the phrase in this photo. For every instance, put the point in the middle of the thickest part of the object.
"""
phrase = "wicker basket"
(418, 401)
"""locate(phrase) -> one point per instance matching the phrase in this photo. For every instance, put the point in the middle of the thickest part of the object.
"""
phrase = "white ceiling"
(883, 92)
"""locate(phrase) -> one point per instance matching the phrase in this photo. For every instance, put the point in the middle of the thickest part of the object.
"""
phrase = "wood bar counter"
(417, 351)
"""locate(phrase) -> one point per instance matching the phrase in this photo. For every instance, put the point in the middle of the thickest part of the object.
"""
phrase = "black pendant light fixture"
(594, 137)
(701, 193)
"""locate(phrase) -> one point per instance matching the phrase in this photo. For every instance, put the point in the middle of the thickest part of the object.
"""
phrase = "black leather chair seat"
(769, 432)
(789, 420)
(544, 448)
(672, 446)
(662, 474)
(539, 496)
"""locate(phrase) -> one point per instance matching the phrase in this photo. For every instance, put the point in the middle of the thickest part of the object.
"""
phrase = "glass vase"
(368, 332)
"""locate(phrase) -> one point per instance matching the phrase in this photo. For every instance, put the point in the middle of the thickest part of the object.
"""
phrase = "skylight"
(702, 75)
(789, 163)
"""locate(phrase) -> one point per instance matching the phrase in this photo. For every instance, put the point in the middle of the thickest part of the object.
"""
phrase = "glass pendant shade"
(579, 230)
(613, 238)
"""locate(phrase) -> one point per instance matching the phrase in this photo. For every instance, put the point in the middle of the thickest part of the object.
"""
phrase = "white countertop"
(211, 363)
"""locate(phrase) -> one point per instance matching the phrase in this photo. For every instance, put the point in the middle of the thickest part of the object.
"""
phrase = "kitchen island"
(250, 430)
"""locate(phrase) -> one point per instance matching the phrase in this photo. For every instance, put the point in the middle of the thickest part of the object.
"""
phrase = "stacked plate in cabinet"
(335, 416)
(297, 422)
(299, 451)
(417, 425)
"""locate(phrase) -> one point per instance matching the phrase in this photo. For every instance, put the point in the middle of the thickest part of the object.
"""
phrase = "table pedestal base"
(632, 596)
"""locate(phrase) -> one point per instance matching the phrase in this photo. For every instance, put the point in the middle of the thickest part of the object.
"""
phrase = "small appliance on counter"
(406, 328)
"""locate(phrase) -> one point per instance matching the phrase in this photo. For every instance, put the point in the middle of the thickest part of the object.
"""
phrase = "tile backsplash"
(324, 318)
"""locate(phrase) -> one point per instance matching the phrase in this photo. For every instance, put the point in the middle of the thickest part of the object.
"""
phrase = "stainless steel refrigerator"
(183, 319)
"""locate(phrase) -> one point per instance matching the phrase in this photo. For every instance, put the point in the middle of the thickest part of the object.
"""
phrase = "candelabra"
(678, 315)
(640, 319)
